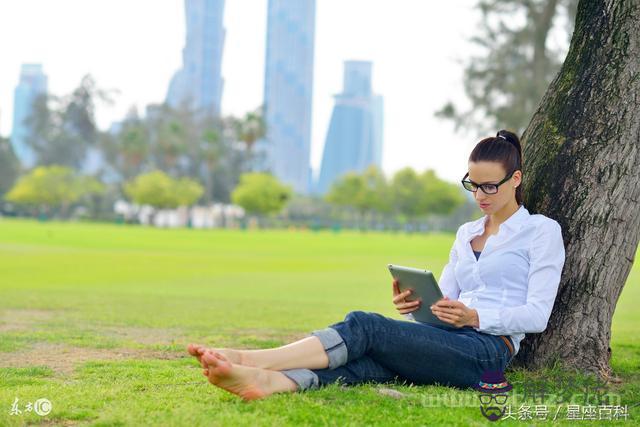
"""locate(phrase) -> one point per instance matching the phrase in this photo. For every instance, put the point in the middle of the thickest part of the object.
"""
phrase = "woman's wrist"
(475, 320)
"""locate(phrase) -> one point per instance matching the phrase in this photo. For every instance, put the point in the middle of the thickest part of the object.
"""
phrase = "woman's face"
(485, 172)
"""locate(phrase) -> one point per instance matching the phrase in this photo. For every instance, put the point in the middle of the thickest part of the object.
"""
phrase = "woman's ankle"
(253, 358)
(280, 383)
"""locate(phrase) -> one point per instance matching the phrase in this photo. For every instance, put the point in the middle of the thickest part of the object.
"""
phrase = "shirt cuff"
(489, 320)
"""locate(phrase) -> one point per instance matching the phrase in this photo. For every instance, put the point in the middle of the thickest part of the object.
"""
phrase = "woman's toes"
(208, 359)
(193, 349)
(212, 360)
(216, 365)
(196, 350)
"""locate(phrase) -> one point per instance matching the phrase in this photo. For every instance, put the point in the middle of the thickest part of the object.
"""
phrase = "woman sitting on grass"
(490, 301)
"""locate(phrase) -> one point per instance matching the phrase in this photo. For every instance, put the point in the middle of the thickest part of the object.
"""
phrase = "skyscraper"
(288, 87)
(354, 139)
(199, 82)
(33, 82)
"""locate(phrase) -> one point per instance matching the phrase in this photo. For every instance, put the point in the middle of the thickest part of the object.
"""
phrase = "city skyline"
(404, 54)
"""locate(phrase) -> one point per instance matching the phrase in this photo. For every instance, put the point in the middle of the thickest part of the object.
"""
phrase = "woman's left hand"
(455, 313)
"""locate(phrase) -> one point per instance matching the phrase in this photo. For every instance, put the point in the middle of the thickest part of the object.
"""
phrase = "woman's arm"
(448, 283)
(547, 257)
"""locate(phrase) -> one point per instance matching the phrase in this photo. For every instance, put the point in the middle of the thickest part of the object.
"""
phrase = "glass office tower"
(33, 82)
(354, 139)
(198, 84)
(288, 91)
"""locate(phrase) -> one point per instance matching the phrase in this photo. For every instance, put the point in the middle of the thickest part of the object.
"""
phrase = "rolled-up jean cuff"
(305, 378)
(334, 345)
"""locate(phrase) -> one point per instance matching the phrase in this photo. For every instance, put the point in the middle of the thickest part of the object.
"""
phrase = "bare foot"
(234, 356)
(247, 382)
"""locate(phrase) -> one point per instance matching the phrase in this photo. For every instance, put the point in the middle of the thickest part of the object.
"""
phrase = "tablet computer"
(423, 287)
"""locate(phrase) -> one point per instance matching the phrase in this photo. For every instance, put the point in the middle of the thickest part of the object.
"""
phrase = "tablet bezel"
(424, 287)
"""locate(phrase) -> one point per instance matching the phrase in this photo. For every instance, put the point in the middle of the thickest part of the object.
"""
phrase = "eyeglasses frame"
(493, 397)
(506, 178)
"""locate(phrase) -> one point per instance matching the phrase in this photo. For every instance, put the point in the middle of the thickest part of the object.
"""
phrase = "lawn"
(95, 318)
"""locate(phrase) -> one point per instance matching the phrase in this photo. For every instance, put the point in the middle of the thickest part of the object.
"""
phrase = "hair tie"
(510, 142)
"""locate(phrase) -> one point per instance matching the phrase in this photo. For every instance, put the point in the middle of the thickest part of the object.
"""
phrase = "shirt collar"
(513, 223)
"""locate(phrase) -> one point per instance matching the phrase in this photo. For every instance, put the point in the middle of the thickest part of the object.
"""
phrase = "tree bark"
(582, 168)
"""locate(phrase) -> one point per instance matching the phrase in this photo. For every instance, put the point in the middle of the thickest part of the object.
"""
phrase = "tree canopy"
(408, 193)
(515, 61)
(52, 186)
(159, 190)
(261, 193)
(9, 166)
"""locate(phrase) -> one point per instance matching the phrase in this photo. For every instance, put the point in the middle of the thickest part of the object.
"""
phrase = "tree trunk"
(582, 159)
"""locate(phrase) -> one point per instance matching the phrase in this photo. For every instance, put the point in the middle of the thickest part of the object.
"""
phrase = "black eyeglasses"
(486, 188)
(500, 399)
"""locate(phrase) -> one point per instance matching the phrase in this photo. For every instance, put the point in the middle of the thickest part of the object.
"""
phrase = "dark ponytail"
(503, 148)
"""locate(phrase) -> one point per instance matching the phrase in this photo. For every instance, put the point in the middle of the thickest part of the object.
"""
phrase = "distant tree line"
(179, 157)
(407, 197)
(169, 157)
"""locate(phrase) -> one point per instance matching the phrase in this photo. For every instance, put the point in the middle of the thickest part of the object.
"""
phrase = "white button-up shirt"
(514, 282)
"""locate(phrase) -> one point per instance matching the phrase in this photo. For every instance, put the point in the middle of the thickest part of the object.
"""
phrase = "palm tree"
(251, 128)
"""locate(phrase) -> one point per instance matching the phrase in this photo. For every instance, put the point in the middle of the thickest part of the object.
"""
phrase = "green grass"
(96, 317)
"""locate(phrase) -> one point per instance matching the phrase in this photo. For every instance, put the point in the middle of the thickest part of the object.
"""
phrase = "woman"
(500, 283)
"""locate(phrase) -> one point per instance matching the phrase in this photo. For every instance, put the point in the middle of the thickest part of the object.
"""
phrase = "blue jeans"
(369, 347)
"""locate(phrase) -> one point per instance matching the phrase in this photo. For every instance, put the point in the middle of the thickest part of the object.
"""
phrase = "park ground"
(95, 318)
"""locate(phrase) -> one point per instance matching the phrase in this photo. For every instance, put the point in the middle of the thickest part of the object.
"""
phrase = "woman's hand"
(455, 313)
(403, 306)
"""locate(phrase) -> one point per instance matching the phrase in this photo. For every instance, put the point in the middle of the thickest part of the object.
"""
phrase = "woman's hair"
(503, 148)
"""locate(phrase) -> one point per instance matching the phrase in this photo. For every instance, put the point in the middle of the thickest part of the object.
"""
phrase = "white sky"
(135, 46)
